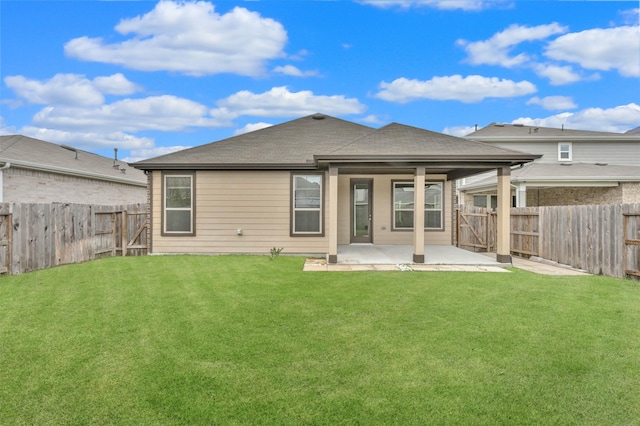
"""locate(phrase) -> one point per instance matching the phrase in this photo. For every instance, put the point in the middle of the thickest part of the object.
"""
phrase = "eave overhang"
(454, 167)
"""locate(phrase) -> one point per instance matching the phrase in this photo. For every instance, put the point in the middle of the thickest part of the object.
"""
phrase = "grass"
(246, 340)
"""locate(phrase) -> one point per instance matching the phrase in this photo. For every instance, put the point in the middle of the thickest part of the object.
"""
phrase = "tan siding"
(382, 220)
(259, 204)
(256, 202)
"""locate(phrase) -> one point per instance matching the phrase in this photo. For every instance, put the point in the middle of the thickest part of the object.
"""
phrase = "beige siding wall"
(256, 202)
(32, 186)
(382, 211)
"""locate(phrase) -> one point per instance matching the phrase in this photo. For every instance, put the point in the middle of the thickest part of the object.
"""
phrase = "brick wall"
(31, 186)
(573, 196)
(631, 192)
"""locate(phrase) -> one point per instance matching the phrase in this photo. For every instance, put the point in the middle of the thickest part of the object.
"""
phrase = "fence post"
(125, 233)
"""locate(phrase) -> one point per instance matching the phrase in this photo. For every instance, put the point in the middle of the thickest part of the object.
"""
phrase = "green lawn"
(246, 340)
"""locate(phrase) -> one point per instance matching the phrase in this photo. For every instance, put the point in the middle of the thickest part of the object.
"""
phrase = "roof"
(29, 153)
(520, 132)
(309, 141)
(564, 174)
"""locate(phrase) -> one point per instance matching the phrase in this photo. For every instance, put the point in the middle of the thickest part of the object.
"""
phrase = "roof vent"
(566, 164)
(601, 164)
(318, 116)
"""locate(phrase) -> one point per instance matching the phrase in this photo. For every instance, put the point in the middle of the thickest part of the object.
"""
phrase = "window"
(403, 205)
(433, 205)
(481, 201)
(178, 198)
(306, 216)
(564, 151)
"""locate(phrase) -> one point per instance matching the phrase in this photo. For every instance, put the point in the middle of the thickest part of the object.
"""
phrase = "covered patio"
(370, 254)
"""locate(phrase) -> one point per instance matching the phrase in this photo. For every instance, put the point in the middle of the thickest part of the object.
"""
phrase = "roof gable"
(401, 140)
(291, 143)
(26, 152)
(316, 140)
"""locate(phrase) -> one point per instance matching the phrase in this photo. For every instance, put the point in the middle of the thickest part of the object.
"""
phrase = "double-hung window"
(403, 205)
(178, 204)
(306, 200)
(564, 151)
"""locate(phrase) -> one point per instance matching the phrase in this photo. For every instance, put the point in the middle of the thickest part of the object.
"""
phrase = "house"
(576, 167)
(35, 171)
(316, 182)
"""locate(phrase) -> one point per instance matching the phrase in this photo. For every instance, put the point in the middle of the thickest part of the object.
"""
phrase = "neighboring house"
(313, 183)
(577, 167)
(35, 171)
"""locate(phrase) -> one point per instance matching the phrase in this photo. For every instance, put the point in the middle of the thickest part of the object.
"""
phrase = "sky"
(151, 78)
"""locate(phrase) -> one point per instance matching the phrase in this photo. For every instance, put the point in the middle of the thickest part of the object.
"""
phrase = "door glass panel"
(361, 225)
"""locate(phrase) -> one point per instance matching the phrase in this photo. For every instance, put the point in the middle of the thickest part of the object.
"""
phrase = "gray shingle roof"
(505, 131)
(401, 140)
(305, 140)
(568, 173)
(26, 152)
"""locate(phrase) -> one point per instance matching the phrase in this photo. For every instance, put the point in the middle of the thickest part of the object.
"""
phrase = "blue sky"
(149, 78)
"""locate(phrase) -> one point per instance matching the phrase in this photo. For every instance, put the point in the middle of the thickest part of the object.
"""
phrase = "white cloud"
(69, 89)
(280, 102)
(473, 88)
(553, 102)
(372, 119)
(618, 119)
(88, 140)
(116, 84)
(6, 130)
(252, 127)
(143, 154)
(165, 113)
(436, 4)
(497, 49)
(600, 49)
(62, 89)
(189, 38)
(459, 131)
(294, 71)
(558, 74)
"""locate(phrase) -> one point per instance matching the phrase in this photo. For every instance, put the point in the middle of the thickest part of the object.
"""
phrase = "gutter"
(71, 172)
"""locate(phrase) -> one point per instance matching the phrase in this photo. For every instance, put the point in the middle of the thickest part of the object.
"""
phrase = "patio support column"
(503, 243)
(521, 195)
(418, 216)
(333, 215)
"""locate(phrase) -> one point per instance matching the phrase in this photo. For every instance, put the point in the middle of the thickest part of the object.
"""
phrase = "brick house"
(35, 171)
(577, 167)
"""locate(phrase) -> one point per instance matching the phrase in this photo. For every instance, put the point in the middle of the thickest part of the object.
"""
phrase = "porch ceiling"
(453, 171)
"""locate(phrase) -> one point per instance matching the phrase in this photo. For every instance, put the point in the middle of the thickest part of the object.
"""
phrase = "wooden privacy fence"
(40, 236)
(601, 239)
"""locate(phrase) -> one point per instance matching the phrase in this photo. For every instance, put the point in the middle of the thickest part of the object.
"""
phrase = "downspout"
(5, 166)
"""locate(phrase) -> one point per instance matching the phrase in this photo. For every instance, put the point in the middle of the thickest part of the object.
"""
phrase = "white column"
(333, 215)
(418, 216)
(503, 244)
(521, 194)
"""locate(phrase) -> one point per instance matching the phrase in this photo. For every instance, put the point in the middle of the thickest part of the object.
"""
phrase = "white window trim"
(560, 151)
(165, 208)
(295, 209)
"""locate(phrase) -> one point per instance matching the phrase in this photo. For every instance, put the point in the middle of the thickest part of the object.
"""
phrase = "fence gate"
(476, 228)
(120, 233)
